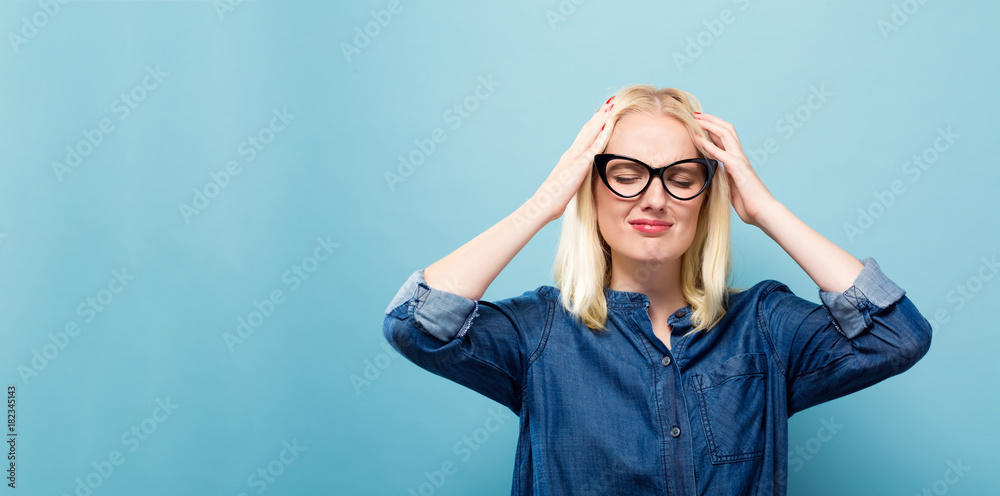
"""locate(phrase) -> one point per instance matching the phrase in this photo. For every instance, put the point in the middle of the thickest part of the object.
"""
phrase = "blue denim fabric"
(619, 413)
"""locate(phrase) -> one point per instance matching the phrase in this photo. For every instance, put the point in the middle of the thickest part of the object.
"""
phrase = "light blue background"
(322, 176)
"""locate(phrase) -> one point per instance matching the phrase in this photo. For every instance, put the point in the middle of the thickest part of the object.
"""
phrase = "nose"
(655, 196)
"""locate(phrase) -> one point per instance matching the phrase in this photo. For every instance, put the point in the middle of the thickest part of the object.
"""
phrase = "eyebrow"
(646, 164)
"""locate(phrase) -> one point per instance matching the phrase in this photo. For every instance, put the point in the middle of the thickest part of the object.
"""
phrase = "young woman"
(643, 371)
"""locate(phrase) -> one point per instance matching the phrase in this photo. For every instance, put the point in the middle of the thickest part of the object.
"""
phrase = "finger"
(599, 117)
(727, 135)
(592, 128)
(599, 142)
(719, 123)
(607, 105)
(715, 151)
(717, 140)
(715, 120)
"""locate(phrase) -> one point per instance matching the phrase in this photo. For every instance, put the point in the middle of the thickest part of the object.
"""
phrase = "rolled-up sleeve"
(854, 339)
(482, 345)
(441, 314)
(871, 293)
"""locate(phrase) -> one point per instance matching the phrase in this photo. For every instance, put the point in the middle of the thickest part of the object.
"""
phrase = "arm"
(442, 326)
(445, 296)
(830, 267)
(469, 270)
(850, 288)
(437, 321)
(865, 331)
(868, 332)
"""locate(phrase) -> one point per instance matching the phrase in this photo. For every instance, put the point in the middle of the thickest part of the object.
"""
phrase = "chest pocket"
(731, 400)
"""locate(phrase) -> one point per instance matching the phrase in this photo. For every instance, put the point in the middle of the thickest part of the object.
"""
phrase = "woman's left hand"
(748, 194)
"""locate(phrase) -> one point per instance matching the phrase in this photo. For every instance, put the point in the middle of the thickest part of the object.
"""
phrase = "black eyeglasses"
(629, 178)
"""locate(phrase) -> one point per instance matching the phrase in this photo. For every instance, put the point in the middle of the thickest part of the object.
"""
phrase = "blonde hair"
(583, 258)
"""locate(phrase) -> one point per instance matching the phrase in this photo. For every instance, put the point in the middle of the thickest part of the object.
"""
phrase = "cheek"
(612, 213)
(689, 215)
(606, 205)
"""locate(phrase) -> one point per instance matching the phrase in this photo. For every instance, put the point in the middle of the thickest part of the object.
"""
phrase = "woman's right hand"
(574, 165)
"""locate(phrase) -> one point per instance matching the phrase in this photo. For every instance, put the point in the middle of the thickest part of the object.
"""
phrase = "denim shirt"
(619, 413)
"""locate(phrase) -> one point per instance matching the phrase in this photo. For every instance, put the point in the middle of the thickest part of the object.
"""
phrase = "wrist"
(769, 215)
(533, 215)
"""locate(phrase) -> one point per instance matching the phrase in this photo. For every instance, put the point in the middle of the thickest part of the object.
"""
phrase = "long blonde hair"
(583, 258)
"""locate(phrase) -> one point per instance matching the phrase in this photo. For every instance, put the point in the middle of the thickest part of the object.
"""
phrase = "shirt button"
(679, 313)
(675, 431)
(665, 361)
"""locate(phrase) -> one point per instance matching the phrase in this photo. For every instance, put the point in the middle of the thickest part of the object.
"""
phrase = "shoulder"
(535, 305)
(760, 296)
(761, 288)
(550, 293)
(541, 294)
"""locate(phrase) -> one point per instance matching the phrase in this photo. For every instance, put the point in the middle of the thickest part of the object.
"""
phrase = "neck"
(659, 280)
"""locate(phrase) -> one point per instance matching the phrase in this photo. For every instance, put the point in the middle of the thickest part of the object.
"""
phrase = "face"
(657, 141)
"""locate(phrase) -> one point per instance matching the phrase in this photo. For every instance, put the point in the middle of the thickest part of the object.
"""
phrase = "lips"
(650, 226)
(650, 222)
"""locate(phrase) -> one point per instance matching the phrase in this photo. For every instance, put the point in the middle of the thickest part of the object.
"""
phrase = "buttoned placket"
(671, 412)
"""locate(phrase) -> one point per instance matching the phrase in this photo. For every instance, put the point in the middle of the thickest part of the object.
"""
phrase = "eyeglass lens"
(683, 180)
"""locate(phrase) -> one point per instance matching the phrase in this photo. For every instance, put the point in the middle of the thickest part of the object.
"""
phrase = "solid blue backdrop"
(200, 228)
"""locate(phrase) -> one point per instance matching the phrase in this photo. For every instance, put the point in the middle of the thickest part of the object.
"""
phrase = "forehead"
(656, 140)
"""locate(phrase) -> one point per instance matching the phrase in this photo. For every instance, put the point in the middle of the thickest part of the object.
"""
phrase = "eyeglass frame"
(601, 162)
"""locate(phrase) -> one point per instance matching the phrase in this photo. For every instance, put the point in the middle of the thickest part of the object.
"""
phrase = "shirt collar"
(625, 299)
(630, 300)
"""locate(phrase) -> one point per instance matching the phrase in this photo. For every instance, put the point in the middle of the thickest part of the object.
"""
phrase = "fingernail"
(698, 113)
(609, 100)
(609, 108)
(602, 126)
